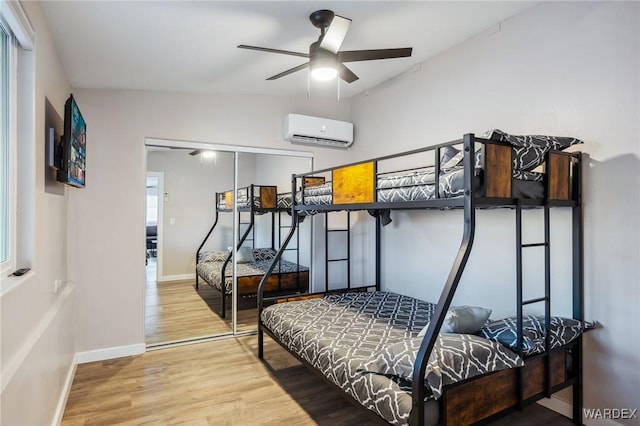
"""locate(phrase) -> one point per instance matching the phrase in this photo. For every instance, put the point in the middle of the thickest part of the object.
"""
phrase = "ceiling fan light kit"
(326, 61)
(323, 64)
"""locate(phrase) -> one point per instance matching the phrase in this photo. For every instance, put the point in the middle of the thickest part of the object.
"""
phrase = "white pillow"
(462, 320)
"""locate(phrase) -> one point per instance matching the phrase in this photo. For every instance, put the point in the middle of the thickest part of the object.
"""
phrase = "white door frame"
(159, 251)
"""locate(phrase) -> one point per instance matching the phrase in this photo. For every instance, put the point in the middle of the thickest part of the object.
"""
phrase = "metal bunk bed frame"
(570, 190)
(244, 237)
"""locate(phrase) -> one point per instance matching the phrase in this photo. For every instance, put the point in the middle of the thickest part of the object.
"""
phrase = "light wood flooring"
(222, 383)
(176, 311)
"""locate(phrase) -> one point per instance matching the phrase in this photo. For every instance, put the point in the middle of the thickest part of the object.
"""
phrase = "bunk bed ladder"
(250, 230)
(282, 227)
(522, 303)
(295, 219)
(328, 260)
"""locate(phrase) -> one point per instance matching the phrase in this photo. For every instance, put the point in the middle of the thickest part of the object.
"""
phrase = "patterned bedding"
(528, 153)
(242, 199)
(563, 332)
(420, 185)
(350, 337)
(211, 271)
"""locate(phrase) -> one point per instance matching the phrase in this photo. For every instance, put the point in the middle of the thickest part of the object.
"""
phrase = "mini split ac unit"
(318, 131)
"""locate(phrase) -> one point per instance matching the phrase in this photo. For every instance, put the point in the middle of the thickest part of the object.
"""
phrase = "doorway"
(155, 183)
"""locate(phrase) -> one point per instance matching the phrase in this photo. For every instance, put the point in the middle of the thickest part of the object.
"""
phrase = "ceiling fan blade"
(289, 71)
(370, 55)
(266, 49)
(347, 75)
(335, 34)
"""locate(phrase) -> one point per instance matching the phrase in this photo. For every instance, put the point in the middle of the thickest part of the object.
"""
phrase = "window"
(7, 181)
(17, 89)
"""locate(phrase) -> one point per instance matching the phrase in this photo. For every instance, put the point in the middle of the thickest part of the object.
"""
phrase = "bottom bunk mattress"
(356, 340)
(366, 344)
(209, 268)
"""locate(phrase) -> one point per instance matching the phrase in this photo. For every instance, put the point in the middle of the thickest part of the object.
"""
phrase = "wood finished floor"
(177, 311)
(222, 383)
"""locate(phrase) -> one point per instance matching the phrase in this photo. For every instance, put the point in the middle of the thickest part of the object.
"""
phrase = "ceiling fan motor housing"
(316, 53)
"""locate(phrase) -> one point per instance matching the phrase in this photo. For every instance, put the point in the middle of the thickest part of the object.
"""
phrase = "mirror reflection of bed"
(175, 309)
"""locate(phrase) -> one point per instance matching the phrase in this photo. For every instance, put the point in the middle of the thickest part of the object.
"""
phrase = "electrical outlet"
(57, 284)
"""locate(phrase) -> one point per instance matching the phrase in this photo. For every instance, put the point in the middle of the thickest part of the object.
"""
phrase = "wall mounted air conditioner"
(318, 131)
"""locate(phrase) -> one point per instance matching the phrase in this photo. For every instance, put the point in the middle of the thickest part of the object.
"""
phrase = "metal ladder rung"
(534, 245)
(337, 230)
(539, 299)
(337, 260)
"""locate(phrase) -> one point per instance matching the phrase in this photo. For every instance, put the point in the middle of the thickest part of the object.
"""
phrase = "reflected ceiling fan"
(326, 60)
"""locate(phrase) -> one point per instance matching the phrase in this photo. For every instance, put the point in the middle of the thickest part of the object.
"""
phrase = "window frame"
(21, 140)
(10, 88)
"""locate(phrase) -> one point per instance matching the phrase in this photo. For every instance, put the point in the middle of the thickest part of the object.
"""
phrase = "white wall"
(109, 212)
(567, 68)
(190, 183)
(38, 341)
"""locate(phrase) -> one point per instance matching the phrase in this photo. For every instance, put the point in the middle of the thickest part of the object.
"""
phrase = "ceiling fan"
(326, 60)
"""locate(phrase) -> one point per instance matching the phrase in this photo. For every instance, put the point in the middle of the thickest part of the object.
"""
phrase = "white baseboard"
(66, 389)
(566, 409)
(183, 277)
(558, 405)
(110, 353)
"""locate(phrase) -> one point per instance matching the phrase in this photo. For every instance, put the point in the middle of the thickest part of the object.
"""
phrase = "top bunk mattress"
(420, 186)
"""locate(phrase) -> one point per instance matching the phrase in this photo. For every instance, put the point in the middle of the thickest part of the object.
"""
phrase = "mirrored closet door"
(216, 216)
(181, 214)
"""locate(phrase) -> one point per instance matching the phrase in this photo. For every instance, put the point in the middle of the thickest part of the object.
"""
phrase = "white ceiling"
(191, 46)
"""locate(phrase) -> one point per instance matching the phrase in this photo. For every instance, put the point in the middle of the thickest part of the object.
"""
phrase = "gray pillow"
(463, 320)
(451, 157)
(245, 255)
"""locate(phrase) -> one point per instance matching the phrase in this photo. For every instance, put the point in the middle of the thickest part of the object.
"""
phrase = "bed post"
(215, 222)
(276, 260)
(223, 275)
(578, 284)
(449, 290)
(378, 227)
